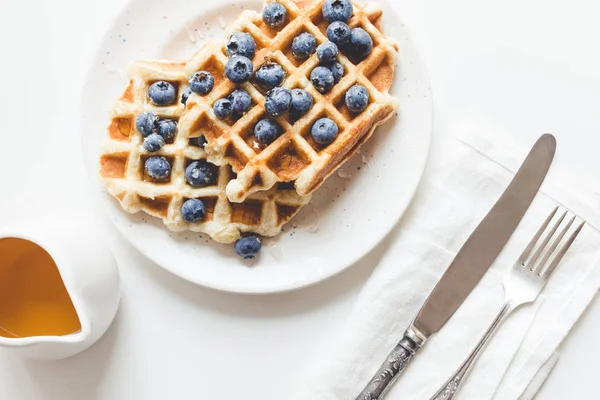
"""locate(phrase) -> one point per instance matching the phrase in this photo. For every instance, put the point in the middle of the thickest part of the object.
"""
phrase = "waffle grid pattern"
(294, 156)
(122, 169)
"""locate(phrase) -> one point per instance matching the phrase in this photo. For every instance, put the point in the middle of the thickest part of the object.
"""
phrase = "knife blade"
(469, 265)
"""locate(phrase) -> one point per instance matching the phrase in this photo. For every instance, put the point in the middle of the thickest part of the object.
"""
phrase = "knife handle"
(392, 367)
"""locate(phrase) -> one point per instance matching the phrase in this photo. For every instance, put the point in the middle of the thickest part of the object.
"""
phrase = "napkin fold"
(459, 187)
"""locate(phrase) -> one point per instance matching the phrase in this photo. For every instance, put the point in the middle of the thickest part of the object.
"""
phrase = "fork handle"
(452, 385)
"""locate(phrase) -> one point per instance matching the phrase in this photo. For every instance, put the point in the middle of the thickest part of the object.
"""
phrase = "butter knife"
(469, 265)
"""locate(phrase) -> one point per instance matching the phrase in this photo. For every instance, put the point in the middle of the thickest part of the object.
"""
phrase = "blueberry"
(202, 82)
(157, 167)
(274, 15)
(223, 108)
(162, 93)
(337, 10)
(241, 44)
(278, 101)
(357, 98)
(304, 45)
(146, 123)
(302, 101)
(185, 96)
(240, 101)
(266, 131)
(167, 128)
(324, 131)
(154, 142)
(360, 43)
(337, 70)
(322, 79)
(199, 174)
(199, 141)
(327, 52)
(338, 32)
(248, 246)
(269, 75)
(238, 69)
(193, 210)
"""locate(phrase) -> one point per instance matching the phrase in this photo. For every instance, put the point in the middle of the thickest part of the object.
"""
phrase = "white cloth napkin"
(459, 188)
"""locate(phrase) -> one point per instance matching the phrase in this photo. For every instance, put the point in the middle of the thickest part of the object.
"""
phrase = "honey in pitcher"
(33, 297)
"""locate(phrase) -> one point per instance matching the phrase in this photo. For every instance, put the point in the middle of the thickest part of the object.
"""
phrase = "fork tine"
(533, 260)
(540, 265)
(562, 252)
(535, 238)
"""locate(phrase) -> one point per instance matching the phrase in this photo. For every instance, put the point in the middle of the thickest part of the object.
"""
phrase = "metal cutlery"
(522, 285)
(470, 264)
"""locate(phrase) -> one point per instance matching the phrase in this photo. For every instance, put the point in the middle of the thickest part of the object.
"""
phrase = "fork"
(522, 284)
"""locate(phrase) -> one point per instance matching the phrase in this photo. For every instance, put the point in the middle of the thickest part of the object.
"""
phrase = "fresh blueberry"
(337, 10)
(202, 82)
(185, 96)
(357, 98)
(240, 101)
(248, 246)
(322, 79)
(274, 15)
(338, 32)
(327, 52)
(269, 75)
(304, 45)
(266, 131)
(154, 142)
(324, 131)
(193, 210)
(302, 101)
(241, 44)
(162, 93)
(278, 101)
(223, 108)
(146, 123)
(238, 69)
(360, 43)
(167, 128)
(157, 167)
(199, 174)
(337, 70)
(199, 141)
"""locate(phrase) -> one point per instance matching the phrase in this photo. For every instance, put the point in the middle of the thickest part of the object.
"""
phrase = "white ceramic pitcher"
(90, 276)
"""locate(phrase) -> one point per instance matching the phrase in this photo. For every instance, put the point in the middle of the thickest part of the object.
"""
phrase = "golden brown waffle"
(122, 169)
(294, 156)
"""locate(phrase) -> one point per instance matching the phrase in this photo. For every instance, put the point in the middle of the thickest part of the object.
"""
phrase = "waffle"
(294, 156)
(122, 169)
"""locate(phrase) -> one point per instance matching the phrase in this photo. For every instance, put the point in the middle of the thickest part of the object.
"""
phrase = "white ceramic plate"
(349, 215)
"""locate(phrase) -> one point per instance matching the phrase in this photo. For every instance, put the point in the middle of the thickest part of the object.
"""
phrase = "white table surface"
(520, 67)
